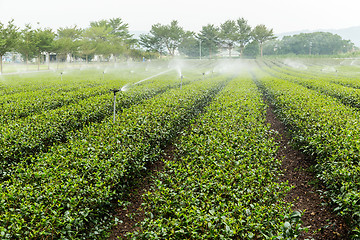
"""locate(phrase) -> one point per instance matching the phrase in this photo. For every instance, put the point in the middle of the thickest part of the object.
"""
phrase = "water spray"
(115, 91)
(152, 77)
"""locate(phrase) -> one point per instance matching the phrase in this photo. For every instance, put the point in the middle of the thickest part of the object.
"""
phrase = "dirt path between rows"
(133, 213)
(319, 219)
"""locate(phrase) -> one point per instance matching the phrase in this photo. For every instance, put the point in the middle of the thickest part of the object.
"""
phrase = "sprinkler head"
(115, 90)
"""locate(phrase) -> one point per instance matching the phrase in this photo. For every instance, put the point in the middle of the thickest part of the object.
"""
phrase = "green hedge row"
(87, 76)
(23, 138)
(22, 105)
(347, 95)
(223, 182)
(327, 74)
(66, 193)
(28, 102)
(325, 128)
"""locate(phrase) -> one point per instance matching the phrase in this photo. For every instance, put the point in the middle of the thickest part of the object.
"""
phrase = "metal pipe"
(114, 106)
(115, 91)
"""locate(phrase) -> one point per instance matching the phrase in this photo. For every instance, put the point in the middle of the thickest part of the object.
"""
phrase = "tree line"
(105, 37)
(111, 39)
(317, 43)
(232, 34)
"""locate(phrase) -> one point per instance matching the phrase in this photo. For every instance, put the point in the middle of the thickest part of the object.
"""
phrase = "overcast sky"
(280, 15)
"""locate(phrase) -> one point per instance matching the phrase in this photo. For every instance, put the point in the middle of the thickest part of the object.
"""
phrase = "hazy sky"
(281, 15)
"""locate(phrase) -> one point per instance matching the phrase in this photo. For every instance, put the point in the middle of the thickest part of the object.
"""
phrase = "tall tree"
(27, 43)
(110, 37)
(122, 40)
(229, 34)
(44, 42)
(99, 35)
(8, 39)
(244, 33)
(190, 46)
(317, 43)
(151, 43)
(120, 29)
(209, 37)
(165, 36)
(261, 34)
(87, 48)
(67, 41)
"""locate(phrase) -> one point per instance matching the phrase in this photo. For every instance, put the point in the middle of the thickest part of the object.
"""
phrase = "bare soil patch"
(321, 221)
(133, 213)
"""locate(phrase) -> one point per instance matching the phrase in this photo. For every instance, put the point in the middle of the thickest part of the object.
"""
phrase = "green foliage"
(323, 127)
(65, 163)
(67, 192)
(8, 39)
(223, 182)
(346, 91)
(228, 34)
(261, 34)
(67, 41)
(318, 43)
(244, 31)
(8, 36)
(252, 50)
(30, 133)
(27, 43)
(209, 37)
(45, 38)
(190, 47)
(167, 37)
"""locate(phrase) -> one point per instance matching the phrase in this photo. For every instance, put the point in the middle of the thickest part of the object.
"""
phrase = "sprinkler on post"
(103, 75)
(61, 75)
(115, 91)
(203, 75)
(181, 81)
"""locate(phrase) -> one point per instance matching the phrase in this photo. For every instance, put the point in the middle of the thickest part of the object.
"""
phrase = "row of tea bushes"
(325, 128)
(223, 181)
(347, 95)
(49, 81)
(327, 74)
(28, 102)
(72, 78)
(24, 104)
(22, 138)
(67, 193)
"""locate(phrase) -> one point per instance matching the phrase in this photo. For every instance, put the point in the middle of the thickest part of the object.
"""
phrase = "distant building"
(225, 53)
(12, 57)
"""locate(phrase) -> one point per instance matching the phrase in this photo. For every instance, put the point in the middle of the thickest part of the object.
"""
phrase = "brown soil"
(133, 213)
(318, 218)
